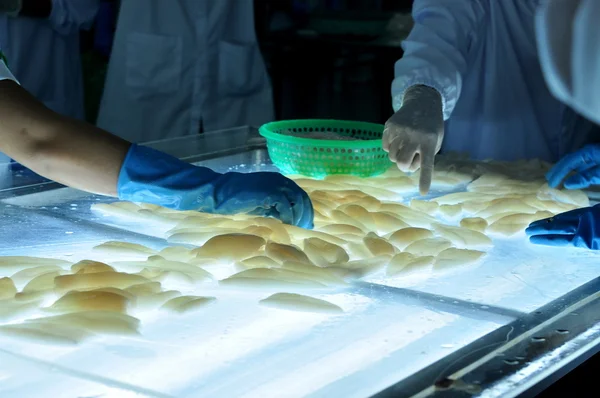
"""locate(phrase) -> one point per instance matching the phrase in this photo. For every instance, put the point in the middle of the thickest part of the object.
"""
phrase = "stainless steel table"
(507, 327)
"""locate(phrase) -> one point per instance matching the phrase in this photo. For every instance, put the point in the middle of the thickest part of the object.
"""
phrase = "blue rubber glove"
(154, 177)
(584, 162)
(576, 228)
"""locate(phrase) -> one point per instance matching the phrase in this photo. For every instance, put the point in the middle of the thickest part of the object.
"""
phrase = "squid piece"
(280, 234)
(361, 214)
(428, 247)
(406, 214)
(185, 304)
(151, 301)
(473, 207)
(28, 274)
(231, 247)
(405, 236)
(453, 257)
(378, 246)
(407, 263)
(282, 253)
(46, 333)
(323, 253)
(474, 223)
(387, 222)
(298, 302)
(12, 264)
(92, 300)
(301, 234)
(463, 237)
(424, 206)
(128, 206)
(257, 262)
(90, 267)
(461, 197)
(119, 280)
(506, 205)
(358, 250)
(7, 289)
(196, 238)
(115, 211)
(103, 322)
(450, 211)
(321, 275)
(573, 197)
(341, 229)
(342, 218)
(125, 249)
(41, 283)
(366, 266)
(263, 232)
(143, 289)
(14, 309)
(512, 224)
(270, 277)
(400, 184)
(196, 273)
(176, 253)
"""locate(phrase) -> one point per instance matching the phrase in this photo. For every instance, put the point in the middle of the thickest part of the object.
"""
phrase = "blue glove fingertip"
(576, 181)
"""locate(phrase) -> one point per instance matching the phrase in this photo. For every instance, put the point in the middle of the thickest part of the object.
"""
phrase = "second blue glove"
(576, 228)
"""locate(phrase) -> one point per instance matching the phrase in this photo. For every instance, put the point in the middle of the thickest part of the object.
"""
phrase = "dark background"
(328, 59)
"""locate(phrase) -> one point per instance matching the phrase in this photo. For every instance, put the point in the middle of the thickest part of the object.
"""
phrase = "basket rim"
(265, 131)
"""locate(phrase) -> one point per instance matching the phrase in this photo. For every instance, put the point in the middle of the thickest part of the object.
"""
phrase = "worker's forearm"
(36, 8)
(64, 150)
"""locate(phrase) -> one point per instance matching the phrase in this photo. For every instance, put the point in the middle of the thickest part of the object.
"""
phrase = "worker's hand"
(585, 163)
(262, 194)
(154, 177)
(413, 135)
(576, 228)
(11, 7)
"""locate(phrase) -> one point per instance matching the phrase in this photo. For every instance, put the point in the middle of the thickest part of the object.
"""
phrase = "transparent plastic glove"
(11, 7)
(413, 135)
(575, 228)
(154, 177)
(584, 162)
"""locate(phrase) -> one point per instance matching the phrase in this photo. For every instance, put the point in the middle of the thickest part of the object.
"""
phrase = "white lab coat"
(180, 64)
(481, 56)
(568, 34)
(43, 53)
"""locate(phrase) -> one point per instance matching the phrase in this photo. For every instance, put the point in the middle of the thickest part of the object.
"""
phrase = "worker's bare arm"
(62, 149)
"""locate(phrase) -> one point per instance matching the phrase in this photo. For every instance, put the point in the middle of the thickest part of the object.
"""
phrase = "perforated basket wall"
(318, 158)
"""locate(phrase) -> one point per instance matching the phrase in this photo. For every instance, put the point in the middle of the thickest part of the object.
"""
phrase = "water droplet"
(69, 232)
(537, 339)
(562, 331)
(512, 362)
(447, 346)
(484, 307)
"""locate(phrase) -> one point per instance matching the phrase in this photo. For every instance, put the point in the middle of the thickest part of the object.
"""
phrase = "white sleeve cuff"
(5, 73)
(448, 95)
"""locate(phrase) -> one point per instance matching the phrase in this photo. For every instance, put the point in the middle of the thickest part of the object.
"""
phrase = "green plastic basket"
(319, 158)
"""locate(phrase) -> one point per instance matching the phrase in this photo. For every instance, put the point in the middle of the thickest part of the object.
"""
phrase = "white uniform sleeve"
(435, 52)
(69, 16)
(5, 73)
(568, 35)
